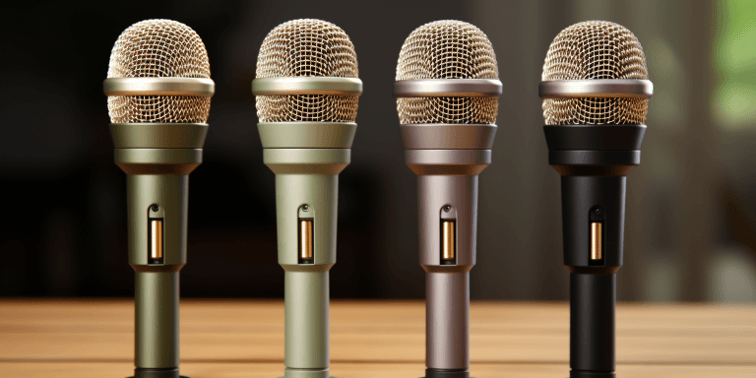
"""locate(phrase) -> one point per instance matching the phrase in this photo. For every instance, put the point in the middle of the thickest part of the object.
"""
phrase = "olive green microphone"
(159, 91)
(306, 91)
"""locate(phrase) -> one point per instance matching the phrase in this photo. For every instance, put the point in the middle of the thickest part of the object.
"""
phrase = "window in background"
(734, 97)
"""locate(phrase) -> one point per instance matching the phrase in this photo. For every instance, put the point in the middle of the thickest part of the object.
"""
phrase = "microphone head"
(447, 49)
(595, 50)
(159, 48)
(307, 48)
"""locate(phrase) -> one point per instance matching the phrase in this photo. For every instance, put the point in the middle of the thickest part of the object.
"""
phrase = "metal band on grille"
(306, 86)
(164, 51)
(448, 88)
(591, 52)
(606, 88)
(159, 86)
(311, 50)
(448, 52)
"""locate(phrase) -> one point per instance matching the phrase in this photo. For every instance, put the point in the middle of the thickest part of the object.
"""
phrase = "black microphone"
(595, 88)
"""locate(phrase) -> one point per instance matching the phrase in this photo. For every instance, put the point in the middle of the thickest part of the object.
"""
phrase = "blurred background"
(691, 205)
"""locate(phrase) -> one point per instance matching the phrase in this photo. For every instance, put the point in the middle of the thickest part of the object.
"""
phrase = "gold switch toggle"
(447, 240)
(597, 243)
(305, 239)
(156, 239)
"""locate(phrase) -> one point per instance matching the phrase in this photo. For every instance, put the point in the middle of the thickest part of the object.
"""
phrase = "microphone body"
(595, 111)
(157, 154)
(306, 98)
(447, 188)
(157, 159)
(593, 162)
(447, 88)
(307, 185)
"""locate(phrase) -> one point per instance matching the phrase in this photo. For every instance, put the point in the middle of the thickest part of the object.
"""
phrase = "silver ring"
(159, 86)
(304, 85)
(448, 88)
(596, 88)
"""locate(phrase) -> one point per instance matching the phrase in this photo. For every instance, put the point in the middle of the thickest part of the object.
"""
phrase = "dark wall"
(64, 229)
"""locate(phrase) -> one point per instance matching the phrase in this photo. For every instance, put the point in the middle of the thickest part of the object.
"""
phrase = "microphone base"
(157, 373)
(592, 374)
(447, 373)
(306, 373)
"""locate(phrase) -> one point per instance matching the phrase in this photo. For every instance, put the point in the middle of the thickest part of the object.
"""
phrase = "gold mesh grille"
(159, 48)
(307, 47)
(595, 50)
(447, 49)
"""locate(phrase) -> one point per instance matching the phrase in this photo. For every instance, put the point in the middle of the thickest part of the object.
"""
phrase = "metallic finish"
(447, 49)
(156, 373)
(447, 162)
(160, 62)
(306, 373)
(595, 50)
(305, 239)
(307, 134)
(159, 86)
(306, 303)
(306, 47)
(306, 161)
(600, 88)
(159, 135)
(157, 176)
(307, 56)
(158, 161)
(447, 175)
(170, 192)
(307, 85)
(320, 192)
(157, 320)
(456, 74)
(307, 176)
(447, 319)
(594, 158)
(597, 244)
(447, 243)
(436, 191)
(448, 136)
(448, 88)
(156, 239)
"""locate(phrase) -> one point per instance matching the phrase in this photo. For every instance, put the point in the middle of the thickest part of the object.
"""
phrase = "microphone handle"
(310, 201)
(447, 324)
(588, 201)
(444, 199)
(307, 326)
(594, 161)
(157, 281)
(592, 308)
(156, 301)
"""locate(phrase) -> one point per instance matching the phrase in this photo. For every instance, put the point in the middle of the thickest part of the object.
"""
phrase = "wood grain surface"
(244, 338)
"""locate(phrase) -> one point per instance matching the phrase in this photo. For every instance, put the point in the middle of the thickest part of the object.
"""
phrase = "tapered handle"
(587, 200)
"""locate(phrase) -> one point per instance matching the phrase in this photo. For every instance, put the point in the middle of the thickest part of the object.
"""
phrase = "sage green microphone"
(306, 91)
(159, 91)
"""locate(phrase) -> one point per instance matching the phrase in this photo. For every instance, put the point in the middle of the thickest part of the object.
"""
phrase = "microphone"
(159, 91)
(595, 92)
(306, 92)
(447, 91)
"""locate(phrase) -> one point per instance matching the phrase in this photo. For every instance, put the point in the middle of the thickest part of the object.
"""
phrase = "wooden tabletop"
(243, 338)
